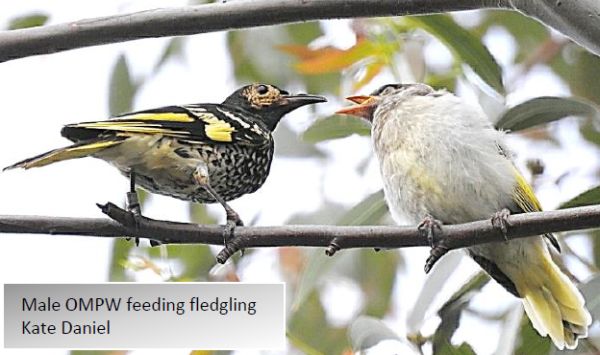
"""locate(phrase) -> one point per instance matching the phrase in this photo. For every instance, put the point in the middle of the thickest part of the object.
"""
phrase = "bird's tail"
(552, 302)
(77, 150)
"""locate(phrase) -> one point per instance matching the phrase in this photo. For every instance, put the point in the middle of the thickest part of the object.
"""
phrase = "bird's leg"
(233, 219)
(431, 229)
(133, 206)
(133, 202)
(500, 221)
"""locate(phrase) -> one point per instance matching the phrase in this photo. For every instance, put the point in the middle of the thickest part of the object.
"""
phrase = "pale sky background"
(40, 94)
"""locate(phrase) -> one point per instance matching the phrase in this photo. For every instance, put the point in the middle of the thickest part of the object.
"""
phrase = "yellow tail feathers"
(553, 303)
(77, 150)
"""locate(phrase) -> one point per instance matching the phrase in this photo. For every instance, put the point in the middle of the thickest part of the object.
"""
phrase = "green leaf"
(335, 127)
(369, 211)
(256, 58)
(589, 197)
(594, 236)
(197, 260)
(531, 343)
(578, 73)
(327, 212)
(366, 332)
(304, 33)
(589, 132)
(451, 311)
(527, 32)
(119, 255)
(543, 110)
(476, 283)
(308, 329)
(442, 81)
(287, 143)
(462, 349)
(377, 290)
(317, 266)
(465, 46)
(31, 20)
(121, 88)
(173, 50)
(591, 293)
(199, 214)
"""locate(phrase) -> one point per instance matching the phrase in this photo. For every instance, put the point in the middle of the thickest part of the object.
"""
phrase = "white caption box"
(134, 315)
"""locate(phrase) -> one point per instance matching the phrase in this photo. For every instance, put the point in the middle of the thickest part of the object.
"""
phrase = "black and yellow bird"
(199, 152)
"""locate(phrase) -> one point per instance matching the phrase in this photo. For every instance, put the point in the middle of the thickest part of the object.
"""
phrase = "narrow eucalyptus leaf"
(465, 46)
(335, 127)
(589, 197)
(121, 88)
(366, 332)
(31, 20)
(542, 110)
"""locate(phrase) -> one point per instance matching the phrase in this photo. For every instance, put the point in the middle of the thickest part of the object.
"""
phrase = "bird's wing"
(523, 195)
(195, 123)
(527, 202)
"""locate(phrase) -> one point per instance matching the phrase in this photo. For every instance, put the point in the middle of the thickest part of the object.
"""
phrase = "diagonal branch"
(457, 236)
(577, 19)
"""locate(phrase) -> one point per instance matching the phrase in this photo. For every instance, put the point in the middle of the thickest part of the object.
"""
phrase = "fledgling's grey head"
(403, 90)
(388, 95)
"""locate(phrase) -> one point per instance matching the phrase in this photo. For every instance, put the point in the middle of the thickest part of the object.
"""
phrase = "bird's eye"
(262, 89)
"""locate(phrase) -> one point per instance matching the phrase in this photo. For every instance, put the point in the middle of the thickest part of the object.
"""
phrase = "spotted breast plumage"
(199, 152)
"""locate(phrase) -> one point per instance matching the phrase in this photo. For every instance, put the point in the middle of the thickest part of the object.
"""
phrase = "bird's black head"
(269, 102)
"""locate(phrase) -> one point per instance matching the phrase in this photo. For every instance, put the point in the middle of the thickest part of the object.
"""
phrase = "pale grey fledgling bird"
(441, 158)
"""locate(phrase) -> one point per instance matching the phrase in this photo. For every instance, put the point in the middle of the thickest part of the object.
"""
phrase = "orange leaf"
(304, 52)
(335, 61)
(330, 59)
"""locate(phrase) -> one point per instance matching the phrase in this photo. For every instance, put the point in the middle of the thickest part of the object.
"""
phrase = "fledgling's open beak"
(359, 99)
(365, 107)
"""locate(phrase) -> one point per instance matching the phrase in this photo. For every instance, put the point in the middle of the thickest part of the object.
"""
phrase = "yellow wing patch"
(132, 127)
(524, 196)
(165, 116)
(216, 129)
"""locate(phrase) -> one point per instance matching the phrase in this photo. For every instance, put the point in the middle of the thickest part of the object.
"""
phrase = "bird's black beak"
(365, 107)
(295, 101)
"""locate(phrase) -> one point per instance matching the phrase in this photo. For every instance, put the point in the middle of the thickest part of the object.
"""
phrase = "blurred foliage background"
(381, 302)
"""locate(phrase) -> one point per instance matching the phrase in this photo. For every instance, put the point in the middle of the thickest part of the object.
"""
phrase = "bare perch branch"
(579, 20)
(458, 236)
(212, 17)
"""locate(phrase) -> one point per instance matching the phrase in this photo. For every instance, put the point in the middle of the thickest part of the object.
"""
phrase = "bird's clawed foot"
(333, 247)
(500, 221)
(230, 241)
(233, 220)
(431, 229)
